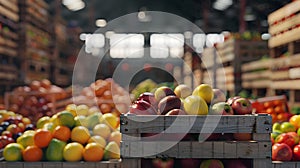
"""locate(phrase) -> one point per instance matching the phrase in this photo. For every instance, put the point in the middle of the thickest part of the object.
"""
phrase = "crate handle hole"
(265, 146)
(126, 130)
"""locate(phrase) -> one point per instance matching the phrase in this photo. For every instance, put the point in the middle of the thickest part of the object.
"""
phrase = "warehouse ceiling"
(193, 10)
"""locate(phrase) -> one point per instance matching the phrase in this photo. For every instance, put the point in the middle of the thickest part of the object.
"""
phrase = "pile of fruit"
(185, 101)
(12, 126)
(147, 85)
(285, 140)
(107, 94)
(75, 134)
(275, 106)
(34, 101)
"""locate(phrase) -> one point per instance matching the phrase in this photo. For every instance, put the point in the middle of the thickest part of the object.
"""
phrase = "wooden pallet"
(135, 146)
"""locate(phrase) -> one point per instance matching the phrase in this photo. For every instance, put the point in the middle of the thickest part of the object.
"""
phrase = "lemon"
(98, 139)
(72, 108)
(112, 151)
(195, 105)
(82, 110)
(80, 134)
(102, 130)
(26, 140)
(73, 152)
(81, 121)
(110, 120)
(13, 152)
(205, 91)
(42, 121)
(66, 118)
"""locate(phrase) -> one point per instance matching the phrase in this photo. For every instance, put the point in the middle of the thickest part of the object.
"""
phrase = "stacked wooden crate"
(256, 77)
(61, 68)
(230, 56)
(9, 19)
(164, 129)
(208, 66)
(35, 40)
(284, 47)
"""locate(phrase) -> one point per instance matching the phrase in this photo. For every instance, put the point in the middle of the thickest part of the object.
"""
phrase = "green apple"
(287, 127)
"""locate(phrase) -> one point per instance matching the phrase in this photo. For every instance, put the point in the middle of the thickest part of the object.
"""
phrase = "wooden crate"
(232, 54)
(134, 146)
(257, 76)
(284, 24)
(279, 164)
(102, 164)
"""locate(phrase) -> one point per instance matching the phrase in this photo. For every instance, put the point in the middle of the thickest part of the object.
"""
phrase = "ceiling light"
(82, 36)
(100, 22)
(265, 36)
(249, 17)
(222, 4)
(76, 6)
(108, 34)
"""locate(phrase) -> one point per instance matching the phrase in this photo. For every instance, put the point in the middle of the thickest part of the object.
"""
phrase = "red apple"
(242, 106)
(212, 163)
(148, 97)
(162, 92)
(232, 99)
(163, 163)
(235, 164)
(168, 103)
(221, 108)
(281, 152)
(142, 107)
(288, 139)
(219, 96)
(296, 152)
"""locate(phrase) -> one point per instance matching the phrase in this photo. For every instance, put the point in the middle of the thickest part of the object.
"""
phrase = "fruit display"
(36, 100)
(69, 136)
(12, 126)
(107, 94)
(203, 100)
(285, 138)
(147, 85)
(276, 106)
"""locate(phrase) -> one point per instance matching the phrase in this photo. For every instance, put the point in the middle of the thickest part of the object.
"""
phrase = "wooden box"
(135, 146)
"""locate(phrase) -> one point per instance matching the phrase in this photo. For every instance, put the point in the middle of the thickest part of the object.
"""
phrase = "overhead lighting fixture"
(77, 5)
(222, 4)
(265, 36)
(100, 22)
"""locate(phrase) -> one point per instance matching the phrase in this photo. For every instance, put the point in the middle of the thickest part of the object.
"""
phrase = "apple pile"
(285, 139)
(110, 96)
(34, 101)
(12, 126)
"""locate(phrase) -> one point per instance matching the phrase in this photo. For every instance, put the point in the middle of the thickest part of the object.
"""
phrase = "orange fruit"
(80, 134)
(270, 110)
(32, 154)
(62, 133)
(268, 104)
(93, 152)
(42, 138)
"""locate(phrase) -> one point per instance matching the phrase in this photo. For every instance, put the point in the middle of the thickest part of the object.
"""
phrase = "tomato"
(296, 152)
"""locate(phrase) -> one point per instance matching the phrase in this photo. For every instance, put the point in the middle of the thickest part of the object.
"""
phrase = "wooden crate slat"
(194, 149)
(52, 165)
(285, 38)
(33, 165)
(13, 164)
(278, 164)
(8, 4)
(287, 84)
(158, 124)
(262, 163)
(257, 84)
(256, 75)
(79, 164)
(286, 25)
(285, 11)
(13, 16)
(280, 75)
(254, 65)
